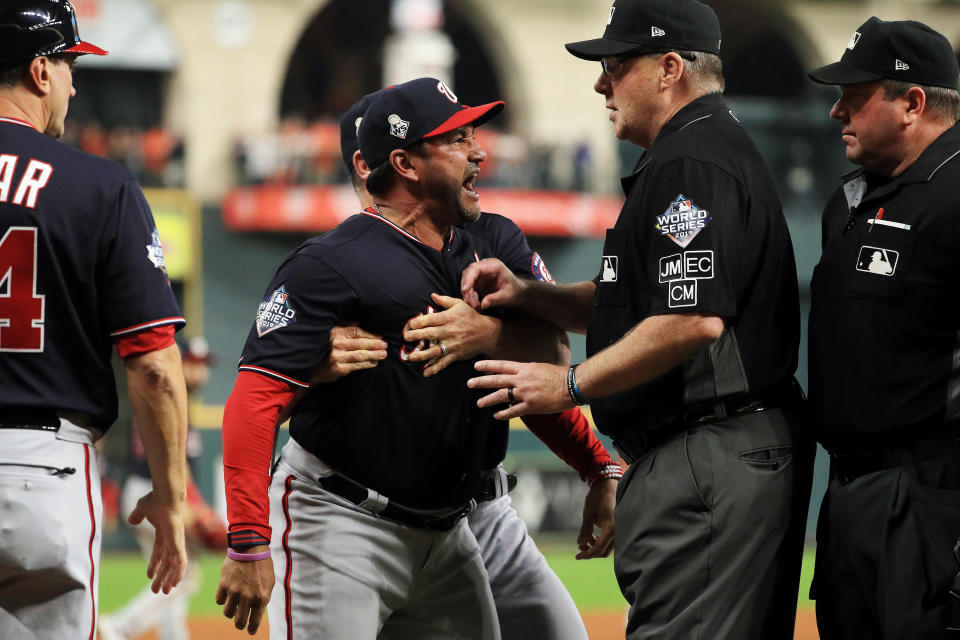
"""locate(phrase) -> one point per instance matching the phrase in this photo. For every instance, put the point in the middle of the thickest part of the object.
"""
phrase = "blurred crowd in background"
(154, 155)
(302, 151)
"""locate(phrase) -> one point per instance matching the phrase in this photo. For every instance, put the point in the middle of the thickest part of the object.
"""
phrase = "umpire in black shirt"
(692, 328)
(885, 342)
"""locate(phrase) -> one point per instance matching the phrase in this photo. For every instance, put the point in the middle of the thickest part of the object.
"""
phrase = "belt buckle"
(445, 523)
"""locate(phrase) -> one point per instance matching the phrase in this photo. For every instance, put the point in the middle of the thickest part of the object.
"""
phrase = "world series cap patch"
(682, 221)
(275, 312)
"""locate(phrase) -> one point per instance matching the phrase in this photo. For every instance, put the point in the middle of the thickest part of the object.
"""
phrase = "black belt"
(349, 490)
(636, 443)
(37, 419)
(847, 466)
(847, 463)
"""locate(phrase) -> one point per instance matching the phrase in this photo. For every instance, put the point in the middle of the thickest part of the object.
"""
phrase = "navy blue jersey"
(80, 264)
(419, 441)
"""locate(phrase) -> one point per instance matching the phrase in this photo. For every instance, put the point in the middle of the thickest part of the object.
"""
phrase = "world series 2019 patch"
(682, 221)
(275, 312)
(155, 252)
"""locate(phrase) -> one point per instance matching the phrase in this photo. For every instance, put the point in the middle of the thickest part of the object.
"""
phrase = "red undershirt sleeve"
(249, 426)
(152, 339)
(568, 434)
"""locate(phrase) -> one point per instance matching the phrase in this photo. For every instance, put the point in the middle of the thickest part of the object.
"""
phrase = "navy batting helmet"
(31, 28)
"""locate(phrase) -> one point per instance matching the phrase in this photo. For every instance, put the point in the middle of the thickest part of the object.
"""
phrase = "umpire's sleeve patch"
(275, 312)
(682, 220)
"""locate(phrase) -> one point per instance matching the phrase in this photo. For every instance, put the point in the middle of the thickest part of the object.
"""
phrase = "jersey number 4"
(21, 309)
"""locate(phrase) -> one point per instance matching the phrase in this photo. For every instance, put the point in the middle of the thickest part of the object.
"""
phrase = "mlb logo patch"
(854, 39)
(275, 312)
(682, 221)
(876, 260)
(398, 126)
(610, 270)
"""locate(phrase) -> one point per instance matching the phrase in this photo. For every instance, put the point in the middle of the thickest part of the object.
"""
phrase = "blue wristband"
(575, 394)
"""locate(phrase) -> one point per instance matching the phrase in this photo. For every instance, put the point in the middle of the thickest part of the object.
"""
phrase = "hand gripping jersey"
(80, 265)
(421, 442)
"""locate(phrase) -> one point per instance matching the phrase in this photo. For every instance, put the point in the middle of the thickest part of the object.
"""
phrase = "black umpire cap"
(32, 28)
(638, 25)
(405, 114)
(903, 50)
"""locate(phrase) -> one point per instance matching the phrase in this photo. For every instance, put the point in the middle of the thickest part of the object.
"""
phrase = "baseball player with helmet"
(369, 496)
(81, 272)
(205, 530)
(531, 601)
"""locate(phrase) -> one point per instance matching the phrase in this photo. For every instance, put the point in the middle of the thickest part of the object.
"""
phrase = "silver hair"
(942, 103)
(704, 71)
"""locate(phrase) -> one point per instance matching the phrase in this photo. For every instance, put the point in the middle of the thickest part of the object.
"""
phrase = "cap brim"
(842, 73)
(600, 48)
(471, 115)
(86, 47)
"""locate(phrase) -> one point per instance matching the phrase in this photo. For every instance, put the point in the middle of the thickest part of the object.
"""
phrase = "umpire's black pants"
(710, 529)
(885, 557)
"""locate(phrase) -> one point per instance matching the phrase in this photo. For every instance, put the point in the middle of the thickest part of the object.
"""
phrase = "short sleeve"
(291, 330)
(132, 273)
(510, 245)
(697, 219)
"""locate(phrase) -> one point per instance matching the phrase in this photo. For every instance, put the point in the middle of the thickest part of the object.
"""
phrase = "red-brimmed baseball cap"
(404, 114)
(32, 28)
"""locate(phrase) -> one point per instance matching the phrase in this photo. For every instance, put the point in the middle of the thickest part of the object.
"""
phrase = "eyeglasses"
(613, 65)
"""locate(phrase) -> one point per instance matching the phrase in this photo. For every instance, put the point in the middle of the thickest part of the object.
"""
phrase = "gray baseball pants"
(532, 603)
(343, 573)
(710, 530)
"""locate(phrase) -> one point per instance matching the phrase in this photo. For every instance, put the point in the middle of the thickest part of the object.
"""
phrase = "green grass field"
(591, 583)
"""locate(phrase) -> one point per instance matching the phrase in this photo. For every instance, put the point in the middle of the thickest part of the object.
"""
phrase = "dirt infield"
(601, 625)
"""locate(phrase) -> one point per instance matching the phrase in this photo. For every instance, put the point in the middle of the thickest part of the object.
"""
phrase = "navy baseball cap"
(635, 25)
(350, 124)
(405, 114)
(903, 50)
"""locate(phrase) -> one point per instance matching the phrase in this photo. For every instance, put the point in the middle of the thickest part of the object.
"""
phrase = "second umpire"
(884, 345)
(693, 330)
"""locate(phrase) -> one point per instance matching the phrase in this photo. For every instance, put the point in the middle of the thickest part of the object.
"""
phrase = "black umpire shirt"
(701, 231)
(885, 313)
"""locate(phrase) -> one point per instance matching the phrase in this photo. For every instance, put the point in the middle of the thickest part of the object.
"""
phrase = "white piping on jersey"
(709, 115)
(22, 123)
(398, 228)
(148, 325)
(941, 165)
(273, 374)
